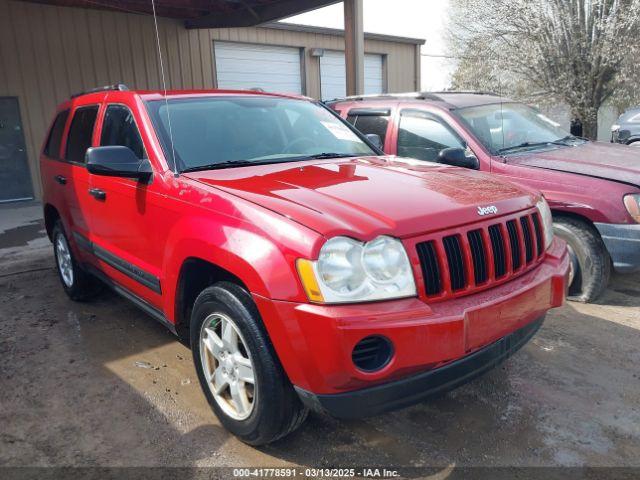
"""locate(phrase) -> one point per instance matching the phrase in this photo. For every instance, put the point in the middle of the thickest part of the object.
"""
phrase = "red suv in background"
(304, 269)
(593, 188)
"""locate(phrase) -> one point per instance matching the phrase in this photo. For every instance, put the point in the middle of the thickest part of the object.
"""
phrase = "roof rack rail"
(436, 96)
(120, 87)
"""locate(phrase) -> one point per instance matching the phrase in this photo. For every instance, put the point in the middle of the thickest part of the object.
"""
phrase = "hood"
(365, 197)
(609, 161)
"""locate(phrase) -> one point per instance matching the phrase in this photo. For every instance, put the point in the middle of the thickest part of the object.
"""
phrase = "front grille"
(430, 267)
(499, 250)
(538, 229)
(480, 256)
(480, 267)
(514, 243)
(455, 261)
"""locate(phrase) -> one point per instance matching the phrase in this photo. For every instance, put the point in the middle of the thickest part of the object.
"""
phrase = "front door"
(15, 179)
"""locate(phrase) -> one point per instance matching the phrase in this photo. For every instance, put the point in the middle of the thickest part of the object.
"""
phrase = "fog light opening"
(372, 353)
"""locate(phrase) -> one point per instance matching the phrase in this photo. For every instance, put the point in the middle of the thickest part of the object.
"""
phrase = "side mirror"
(375, 139)
(457, 157)
(117, 161)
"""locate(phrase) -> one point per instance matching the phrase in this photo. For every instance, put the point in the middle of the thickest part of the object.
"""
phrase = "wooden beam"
(354, 46)
(258, 14)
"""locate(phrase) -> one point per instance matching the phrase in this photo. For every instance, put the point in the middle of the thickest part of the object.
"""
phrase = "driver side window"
(423, 136)
(119, 128)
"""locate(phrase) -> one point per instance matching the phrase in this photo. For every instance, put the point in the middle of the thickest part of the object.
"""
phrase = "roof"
(451, 99)
(335, 31)
(204, 13)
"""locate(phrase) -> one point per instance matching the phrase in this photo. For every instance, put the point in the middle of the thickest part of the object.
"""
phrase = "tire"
(77, 283)
(270, 408)
(589, 256)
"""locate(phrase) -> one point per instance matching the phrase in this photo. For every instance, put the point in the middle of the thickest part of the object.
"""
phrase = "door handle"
(60, 179)
(97, 193)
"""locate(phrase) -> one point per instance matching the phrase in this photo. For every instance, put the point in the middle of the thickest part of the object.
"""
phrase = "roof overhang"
(205, 13)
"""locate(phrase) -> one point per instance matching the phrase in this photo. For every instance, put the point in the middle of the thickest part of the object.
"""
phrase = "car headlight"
(547, 221)
(632, 203)
(349, 271)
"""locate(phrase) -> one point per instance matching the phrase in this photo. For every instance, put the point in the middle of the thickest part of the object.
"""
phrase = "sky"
(425, 19)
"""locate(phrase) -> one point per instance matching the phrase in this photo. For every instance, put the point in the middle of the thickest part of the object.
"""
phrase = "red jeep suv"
(305, 270)
(593, 188)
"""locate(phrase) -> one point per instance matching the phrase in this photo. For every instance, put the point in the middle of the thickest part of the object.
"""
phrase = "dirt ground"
(102, 384)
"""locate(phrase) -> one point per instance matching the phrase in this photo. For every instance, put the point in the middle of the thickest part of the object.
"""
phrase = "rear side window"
(80, 133)
(119, 128)
(370, 123)
(423, 137)
(52, 148)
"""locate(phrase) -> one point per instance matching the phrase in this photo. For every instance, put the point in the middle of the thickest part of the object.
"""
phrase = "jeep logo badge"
(490, 210)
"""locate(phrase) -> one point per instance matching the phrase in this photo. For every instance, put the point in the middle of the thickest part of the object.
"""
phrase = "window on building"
(52, 148)
(422, 136)
(80, 133)
(119, 128)
(370, 122)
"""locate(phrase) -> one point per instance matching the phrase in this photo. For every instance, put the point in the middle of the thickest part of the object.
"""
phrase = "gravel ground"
(102, 384)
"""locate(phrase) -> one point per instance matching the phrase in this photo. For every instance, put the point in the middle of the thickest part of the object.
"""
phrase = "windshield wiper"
(220, 165)
(528, 145)
(320, 156)
(568, 138)
(246, 163)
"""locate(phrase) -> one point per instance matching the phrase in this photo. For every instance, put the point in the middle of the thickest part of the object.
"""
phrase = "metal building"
(51, 49)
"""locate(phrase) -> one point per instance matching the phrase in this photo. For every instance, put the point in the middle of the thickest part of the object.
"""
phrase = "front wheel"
(238, 369)
(590, 261)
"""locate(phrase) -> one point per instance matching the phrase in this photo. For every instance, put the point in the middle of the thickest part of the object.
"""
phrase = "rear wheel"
(590, 261)
(238, 369)
(77, 283)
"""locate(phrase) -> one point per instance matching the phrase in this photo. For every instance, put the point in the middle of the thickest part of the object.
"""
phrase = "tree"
(581, 52)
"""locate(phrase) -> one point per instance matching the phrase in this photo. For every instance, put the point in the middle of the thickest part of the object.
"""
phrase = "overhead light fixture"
(317, 52)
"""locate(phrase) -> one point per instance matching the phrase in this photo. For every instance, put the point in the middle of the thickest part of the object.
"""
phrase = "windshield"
(236, 131)
(511, 126)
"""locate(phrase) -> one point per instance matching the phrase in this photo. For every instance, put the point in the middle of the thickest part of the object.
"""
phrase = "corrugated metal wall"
(47, 53)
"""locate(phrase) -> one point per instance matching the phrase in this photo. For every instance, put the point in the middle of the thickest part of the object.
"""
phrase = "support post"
(354, 46)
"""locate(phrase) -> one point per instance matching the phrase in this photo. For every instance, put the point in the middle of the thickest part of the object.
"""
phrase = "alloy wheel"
(63, 258)
(227, 366)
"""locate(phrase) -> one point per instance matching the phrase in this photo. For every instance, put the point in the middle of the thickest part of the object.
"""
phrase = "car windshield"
(223, 132)
(513, 127)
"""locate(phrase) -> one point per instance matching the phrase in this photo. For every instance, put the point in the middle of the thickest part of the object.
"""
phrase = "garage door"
(333, 82)
(245, 66)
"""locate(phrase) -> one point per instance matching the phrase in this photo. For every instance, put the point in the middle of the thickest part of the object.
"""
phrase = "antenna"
(501, 111)
(164, 87)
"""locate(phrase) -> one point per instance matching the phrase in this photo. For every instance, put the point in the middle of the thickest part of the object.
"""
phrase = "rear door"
(76, 188)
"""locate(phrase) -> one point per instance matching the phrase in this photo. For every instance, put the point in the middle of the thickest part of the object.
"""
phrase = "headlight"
(349, 271)
(547, 221)
(632, 202)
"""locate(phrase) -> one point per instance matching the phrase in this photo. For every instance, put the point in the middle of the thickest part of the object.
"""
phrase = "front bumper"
(315, 342)
(623, 243)
(408, 391)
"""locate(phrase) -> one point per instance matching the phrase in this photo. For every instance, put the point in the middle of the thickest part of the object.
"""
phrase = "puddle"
(22, 235)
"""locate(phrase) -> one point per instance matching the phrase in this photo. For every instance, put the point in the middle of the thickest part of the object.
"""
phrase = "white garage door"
(245, 66)
(333, 81)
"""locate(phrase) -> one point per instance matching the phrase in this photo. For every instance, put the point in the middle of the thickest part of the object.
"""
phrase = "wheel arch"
(51, 216)
(194, 276)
